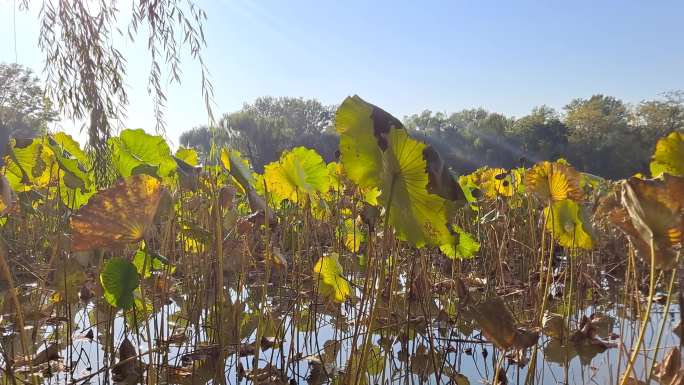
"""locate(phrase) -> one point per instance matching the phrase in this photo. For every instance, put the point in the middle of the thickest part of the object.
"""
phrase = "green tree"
(601, 139)
(24, 109)
(541, 135)
(200, 139)
(263, 129)
(659, 117)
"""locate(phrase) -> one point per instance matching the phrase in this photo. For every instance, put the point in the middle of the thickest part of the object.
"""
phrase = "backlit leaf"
(467, 245)
(117, 216)
(569, 224)
(299, 173)
(119, 280)
(328, 274)
(188, 155)
(669, 155)
(136, 152)
(554, 181)
(416, 187)
(656, 210)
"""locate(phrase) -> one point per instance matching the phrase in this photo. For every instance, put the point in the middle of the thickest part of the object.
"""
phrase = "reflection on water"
(293, 341)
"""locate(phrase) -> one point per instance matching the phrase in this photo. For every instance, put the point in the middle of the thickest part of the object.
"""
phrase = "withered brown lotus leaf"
(498, 325)
(117, 216)
(656, 210)
(666, 370)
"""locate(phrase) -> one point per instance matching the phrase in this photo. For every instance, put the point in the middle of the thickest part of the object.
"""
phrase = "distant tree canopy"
(601, 135)
(24, 109)
(263, 129)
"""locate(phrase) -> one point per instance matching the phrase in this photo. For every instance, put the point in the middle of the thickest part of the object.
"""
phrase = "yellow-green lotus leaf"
(669, 155)
(554, 182)
(415, 185)
(137, 152)
(188, 155)
(467, 245)
(328, 276)
(569, 224)
(29, 165)
(656, 210)
(353, 237)
(299, 173)
(494, 182)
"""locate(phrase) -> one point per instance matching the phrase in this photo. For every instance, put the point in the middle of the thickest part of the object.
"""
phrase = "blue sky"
(406, 56)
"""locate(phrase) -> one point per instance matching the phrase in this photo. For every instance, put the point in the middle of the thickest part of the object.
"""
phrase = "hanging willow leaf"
(377, 152)
(328, 274)
(656, 211)
(554, 182)
(669, 155)
(569, 224)
(117, 216)
(300, 173)
(119, 280)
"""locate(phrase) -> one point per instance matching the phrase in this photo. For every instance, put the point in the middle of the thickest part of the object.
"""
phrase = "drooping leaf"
(467, 245)
(28, 165)
(188, 155)
(669, 155)
(76, 176)
(416, 187)
(119, 215)
(119, 280)
(328, 274)
(554, 182)
(145, 263)
(297, 175)
(656, 211)
(239, 168)
(569, 224)
(137, 152)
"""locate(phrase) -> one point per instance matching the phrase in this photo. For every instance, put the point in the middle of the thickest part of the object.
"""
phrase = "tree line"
(601, 134)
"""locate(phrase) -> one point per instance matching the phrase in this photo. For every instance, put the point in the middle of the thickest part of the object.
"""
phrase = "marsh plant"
(383, 267)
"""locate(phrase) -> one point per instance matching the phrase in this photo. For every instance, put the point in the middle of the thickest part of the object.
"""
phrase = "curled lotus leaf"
(415, 186)
(117, 216)
(554, 182)
(656, 210)
(331, 282)
(669, 155)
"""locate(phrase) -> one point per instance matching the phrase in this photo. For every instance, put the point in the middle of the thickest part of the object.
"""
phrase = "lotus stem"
(644, 318)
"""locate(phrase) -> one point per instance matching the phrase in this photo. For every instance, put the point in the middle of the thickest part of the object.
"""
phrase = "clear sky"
(406, 56)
